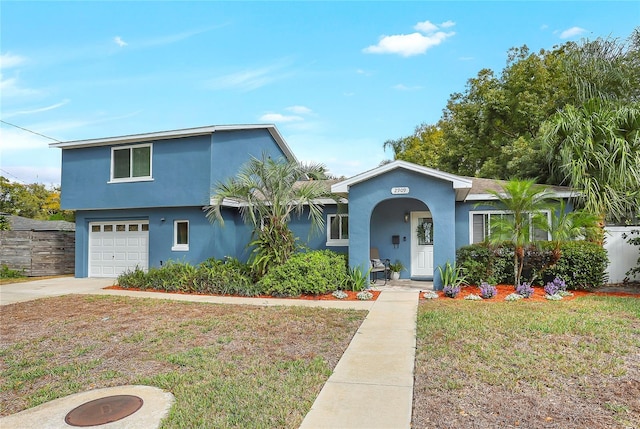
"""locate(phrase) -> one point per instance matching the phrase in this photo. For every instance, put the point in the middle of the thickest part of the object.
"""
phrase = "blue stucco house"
(139, 202)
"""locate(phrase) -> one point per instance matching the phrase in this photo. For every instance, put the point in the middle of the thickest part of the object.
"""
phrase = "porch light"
(406, 217)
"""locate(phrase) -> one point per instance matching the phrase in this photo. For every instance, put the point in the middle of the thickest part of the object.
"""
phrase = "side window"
(131, 163)
(180, 235)
(338, 230)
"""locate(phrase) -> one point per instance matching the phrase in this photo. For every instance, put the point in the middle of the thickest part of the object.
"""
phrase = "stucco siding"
(180, 171)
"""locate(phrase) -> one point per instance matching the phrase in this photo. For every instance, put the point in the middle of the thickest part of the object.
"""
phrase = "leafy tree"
(269, 192)
(423, 147)
(32, 200)
(524, 201)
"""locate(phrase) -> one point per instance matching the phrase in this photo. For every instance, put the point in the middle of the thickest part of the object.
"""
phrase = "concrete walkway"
(372, 385)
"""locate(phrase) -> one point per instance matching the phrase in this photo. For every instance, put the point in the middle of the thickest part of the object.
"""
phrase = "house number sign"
(400, 190)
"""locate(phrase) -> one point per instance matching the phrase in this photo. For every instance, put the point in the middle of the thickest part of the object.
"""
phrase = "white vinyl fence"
(622, 255)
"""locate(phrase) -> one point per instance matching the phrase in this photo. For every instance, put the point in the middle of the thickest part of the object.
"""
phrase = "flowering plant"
(513, 297)
(340, 294)
(430, 295)
(473, 297)
(451, 291)
(487, 291)
(525, 290)
(364, 295)
(557, 285)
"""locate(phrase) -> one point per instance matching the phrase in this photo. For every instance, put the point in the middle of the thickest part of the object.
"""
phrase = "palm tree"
(523, 201)
(268, 193)
(568, 225)
(596, 150)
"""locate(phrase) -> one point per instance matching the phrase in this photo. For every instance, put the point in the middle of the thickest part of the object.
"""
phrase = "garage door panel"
(115, 248)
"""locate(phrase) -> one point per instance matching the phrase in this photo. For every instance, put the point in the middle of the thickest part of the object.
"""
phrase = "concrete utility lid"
(140, 407)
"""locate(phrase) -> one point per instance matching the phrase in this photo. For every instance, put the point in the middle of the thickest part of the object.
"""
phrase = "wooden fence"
(38, 253)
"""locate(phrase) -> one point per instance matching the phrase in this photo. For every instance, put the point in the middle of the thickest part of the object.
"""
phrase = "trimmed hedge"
(582, 264)
(316, 272)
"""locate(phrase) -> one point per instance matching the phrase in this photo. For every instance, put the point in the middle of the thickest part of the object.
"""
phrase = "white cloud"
(300, 110)
(248, 80)
(544, 27)
(15, 139)
(408, 45)
(119, 41)
(36, 110)
(426, 27)
(572, 32)
(278, 117)
(9, 60)
(9, 87)
(402, 87)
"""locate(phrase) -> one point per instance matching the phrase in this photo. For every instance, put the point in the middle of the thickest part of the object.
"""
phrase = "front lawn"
(227, 365)
(573, 364)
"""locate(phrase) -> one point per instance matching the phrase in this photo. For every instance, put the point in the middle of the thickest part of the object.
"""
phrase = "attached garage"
(115, 247)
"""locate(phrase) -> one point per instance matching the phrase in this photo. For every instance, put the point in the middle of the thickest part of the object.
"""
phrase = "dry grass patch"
(530, 365)
(227, 365)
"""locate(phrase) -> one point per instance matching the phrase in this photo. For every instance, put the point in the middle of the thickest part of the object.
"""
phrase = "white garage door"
(115, 247)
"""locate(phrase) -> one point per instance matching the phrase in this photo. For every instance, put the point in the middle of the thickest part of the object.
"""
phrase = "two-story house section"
(139, 198)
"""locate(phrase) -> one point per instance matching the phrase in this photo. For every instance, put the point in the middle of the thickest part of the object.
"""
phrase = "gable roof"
(172, 134)
(467, 188)
(462, 185)
(19, 223)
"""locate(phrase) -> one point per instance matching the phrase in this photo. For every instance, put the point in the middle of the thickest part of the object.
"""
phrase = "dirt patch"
(351, 296)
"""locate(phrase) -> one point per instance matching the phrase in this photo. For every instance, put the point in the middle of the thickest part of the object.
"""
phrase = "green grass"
(227, 366)
(537, 347)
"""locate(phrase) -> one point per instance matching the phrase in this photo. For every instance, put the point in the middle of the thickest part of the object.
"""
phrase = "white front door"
(115, 247)
(421, 244)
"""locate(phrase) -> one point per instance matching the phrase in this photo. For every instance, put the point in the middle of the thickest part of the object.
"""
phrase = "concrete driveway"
(27, 291)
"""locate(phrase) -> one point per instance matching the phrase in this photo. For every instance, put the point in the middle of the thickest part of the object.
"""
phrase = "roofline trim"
(171, 134)
(457, 181)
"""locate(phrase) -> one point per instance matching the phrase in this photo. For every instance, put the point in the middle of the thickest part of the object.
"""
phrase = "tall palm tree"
(523, 201)
(268, 193)
(596, 150)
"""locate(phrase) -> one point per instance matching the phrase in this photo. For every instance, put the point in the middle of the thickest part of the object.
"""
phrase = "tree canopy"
(506, 125)
(33, 200)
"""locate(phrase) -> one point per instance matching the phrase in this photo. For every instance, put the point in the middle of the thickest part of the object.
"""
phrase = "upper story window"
(131, 163)
(481, 223)
(337, 230)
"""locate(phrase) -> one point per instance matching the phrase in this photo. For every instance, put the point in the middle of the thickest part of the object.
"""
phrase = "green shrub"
(356, 278)
(316, 272)
(8, 273)
(211, 276)
(582, 264)
(228, 277)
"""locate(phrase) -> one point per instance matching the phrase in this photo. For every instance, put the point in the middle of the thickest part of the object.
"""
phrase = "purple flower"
(451, 291)
(562, 286)
(487, 291)
(551, 288)
(524, 289)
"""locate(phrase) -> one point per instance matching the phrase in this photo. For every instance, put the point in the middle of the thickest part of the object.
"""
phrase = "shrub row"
(315, 272)
(582, 264)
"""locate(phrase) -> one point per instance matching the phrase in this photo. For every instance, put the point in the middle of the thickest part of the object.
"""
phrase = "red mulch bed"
(326, 297)
(538, 294)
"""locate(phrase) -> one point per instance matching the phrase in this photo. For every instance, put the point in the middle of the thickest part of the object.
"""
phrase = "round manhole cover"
(104, 410)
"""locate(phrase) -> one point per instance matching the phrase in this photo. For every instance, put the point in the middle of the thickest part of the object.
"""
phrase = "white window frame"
(500, 212)
(131, 178)
(176, 246)
(340, 241)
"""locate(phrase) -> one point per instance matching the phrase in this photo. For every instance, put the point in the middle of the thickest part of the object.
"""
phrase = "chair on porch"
(378, 265)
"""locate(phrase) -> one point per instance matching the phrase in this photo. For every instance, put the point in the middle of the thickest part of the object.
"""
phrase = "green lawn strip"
(543, 345)
(228, 366)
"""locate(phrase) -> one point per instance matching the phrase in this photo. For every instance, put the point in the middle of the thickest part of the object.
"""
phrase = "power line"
(29, 131)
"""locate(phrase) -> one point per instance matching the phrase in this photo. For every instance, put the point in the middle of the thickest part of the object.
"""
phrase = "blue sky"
(337, 78)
